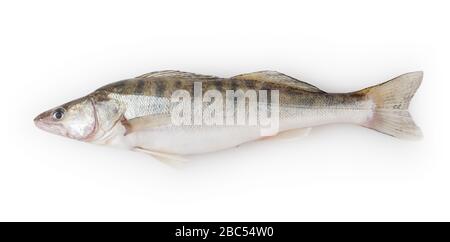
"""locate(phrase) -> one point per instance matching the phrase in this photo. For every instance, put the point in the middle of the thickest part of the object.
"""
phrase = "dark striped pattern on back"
(164, 86)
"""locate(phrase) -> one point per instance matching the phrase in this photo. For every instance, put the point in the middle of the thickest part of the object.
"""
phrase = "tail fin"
(391, 100)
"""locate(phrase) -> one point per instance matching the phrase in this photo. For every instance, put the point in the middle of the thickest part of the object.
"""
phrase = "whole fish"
(137, 113)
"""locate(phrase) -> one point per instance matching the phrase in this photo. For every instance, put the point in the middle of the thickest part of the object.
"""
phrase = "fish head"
(75, 119)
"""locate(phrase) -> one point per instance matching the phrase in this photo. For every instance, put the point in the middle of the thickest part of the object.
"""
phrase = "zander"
(136, 113)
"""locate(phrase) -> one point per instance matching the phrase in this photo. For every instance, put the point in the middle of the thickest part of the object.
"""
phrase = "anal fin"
(294, 133)
(290, 134)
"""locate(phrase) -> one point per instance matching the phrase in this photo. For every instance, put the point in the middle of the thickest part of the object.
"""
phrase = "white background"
(54, 51)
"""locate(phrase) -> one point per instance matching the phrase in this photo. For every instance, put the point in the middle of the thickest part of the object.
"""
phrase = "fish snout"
(41, 118)
(45, 122)
(37, 119)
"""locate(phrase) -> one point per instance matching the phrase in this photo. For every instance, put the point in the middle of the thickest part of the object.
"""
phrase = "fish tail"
(391, 100)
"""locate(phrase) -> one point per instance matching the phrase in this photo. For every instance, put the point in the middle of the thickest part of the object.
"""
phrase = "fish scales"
(136, 113)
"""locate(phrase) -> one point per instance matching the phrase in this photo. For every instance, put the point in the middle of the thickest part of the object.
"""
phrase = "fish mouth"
(41, 121)
(38, 121)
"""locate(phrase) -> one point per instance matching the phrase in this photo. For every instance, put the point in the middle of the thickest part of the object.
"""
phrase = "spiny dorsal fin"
(179, 74)
(277, 77)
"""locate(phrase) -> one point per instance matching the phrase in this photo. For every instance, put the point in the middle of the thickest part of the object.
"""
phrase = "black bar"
(224, 231)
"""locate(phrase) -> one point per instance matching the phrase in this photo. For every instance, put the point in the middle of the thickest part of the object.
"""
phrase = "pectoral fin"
(145, 122)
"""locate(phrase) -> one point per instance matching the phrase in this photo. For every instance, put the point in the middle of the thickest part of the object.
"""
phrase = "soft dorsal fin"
(277, 77)
(179, 74)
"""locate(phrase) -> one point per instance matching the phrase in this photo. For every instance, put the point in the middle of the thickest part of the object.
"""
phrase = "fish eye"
(58, 114)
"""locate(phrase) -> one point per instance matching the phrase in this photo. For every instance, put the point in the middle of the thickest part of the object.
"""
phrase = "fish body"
(137, 113)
